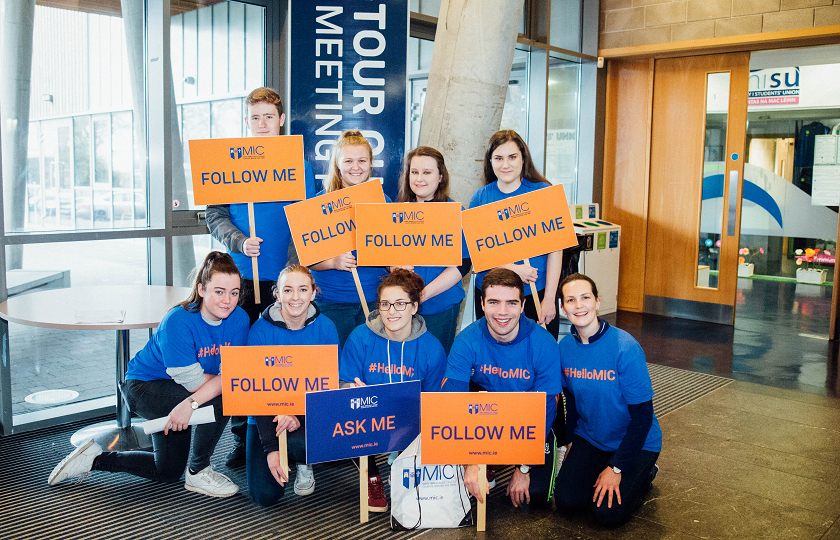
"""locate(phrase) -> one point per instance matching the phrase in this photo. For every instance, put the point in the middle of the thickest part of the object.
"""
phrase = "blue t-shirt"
(366, 356)
(605, 377)
(448, 298)
(271, 225)
(529, 363)
(490, 194)
(184, 338)
(338, 287)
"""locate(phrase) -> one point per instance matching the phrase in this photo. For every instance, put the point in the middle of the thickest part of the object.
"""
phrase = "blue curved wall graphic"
(713, 188)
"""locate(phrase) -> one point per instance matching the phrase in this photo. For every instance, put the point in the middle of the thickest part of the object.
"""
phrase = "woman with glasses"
(392, 346)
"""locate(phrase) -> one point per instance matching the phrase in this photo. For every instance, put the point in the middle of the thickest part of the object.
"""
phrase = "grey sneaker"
(77, 464)
(305, 479)
(209, 482)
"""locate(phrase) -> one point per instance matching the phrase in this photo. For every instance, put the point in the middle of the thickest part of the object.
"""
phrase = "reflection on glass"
(83, 361)
(515, 113)
(561, 138)
(189, 251)
(212, 79)
(714, 165)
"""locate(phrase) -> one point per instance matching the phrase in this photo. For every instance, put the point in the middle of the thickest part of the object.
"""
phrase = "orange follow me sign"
(494, 428)
(273, 379)
(517, 228)
(408, 234)
(248, 169)
(325, 226)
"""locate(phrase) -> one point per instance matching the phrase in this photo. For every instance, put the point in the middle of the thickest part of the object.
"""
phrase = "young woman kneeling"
(612, 436)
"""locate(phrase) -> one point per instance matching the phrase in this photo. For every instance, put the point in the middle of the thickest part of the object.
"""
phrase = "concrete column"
(468, 80)
(18, 24)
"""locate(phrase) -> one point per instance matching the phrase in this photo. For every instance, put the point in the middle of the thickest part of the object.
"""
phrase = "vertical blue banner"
(348, 71)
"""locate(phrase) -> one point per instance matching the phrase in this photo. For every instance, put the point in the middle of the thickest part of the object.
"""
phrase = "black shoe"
(236, 457)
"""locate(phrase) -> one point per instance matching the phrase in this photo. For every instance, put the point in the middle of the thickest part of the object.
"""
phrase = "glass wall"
(81, 106)
(561, 139)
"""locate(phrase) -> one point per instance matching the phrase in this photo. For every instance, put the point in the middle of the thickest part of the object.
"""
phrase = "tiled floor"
(758, 459)
(744, 462)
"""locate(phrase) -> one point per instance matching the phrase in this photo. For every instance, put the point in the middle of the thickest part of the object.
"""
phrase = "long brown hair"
(351, 137)
(529, 171)
(215, 262)
(441, 193)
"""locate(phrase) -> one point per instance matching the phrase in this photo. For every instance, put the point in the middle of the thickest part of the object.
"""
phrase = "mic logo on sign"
(247, 152)
(334, 206)
(483, 408)
(364, 403)
(415, 216)
(520, 209)
(279, 361)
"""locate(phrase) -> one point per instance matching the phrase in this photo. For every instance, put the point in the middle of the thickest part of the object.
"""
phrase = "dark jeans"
(442, 326)
(584, 462)
(262, 486)
(530, 309)
(346, 317)
(154, 399)
(239, 424)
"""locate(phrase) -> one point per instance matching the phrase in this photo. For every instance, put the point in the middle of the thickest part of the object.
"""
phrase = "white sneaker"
(209, 482)
(305, 479)
(561, 454)
(77, 464)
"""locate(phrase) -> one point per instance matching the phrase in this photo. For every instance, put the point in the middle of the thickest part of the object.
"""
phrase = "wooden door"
(678, 146)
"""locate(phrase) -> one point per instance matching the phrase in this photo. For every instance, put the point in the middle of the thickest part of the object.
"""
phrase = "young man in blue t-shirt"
(506, 341)
(228, 223)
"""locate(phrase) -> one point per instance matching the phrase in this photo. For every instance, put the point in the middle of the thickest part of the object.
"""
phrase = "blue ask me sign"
(363, 421)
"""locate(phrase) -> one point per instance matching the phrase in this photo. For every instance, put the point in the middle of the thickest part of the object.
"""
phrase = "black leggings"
(155, 399)
(584, 462)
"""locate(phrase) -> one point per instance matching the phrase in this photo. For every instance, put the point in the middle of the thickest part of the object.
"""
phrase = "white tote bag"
(427, 496)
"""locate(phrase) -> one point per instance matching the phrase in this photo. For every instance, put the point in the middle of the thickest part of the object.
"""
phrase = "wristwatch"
(615, 469)
(524, 469)
(193, 403)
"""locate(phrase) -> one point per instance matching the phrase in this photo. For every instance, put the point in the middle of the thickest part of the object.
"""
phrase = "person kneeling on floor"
(507, 342)
(612, 436)
(175, 373)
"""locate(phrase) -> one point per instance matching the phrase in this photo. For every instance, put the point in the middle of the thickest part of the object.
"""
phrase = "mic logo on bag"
(364, 403)
(428, 474)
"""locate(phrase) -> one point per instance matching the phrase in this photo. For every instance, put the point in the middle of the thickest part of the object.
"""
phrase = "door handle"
(733, 194)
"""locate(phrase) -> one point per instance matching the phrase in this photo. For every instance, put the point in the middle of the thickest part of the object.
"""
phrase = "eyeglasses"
(384, 305)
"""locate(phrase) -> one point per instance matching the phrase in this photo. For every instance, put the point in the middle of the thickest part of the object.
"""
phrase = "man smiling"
(505, 351)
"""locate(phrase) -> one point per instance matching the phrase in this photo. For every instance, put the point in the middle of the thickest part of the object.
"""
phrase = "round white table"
(144, 307)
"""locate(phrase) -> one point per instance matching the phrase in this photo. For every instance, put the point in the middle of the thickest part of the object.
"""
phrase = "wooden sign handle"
(363, 484)
(481, 509)
(254, 259)
(282, 439)
(361, 295)
(535, 295)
